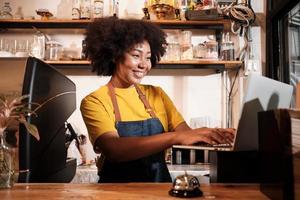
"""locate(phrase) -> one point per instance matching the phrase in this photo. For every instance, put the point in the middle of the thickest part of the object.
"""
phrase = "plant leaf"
(21, 98)
(32, 129)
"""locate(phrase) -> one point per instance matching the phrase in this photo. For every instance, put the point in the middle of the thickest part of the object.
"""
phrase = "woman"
(126, 119)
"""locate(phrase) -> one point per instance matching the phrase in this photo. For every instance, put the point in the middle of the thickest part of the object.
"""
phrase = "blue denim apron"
(152, 168)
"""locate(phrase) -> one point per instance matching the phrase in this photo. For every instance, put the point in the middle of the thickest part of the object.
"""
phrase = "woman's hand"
(207, 135)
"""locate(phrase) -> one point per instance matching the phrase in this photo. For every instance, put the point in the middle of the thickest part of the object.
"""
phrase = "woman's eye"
(135, 55)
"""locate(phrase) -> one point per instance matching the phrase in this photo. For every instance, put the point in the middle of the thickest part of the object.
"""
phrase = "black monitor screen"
(53, 96)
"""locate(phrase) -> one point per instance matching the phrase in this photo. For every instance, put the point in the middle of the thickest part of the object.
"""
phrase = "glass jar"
(199, 51)
(173, 52)
(21, 48)
(186, 53)
(5, 12)
(211, 50)
(6, 48)
(53, 50)
(227, 50)
(186, 38)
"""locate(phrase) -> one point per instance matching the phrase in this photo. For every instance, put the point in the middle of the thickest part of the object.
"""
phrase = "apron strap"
(112, 95)
(145, 101)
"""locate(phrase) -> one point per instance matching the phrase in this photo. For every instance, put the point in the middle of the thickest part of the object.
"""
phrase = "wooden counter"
(142, 191)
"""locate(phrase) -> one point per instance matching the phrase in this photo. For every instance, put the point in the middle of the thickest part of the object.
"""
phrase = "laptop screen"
(271, 94)
(261, 94)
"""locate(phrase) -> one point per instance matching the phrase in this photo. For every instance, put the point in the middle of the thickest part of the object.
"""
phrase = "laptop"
(261, 94)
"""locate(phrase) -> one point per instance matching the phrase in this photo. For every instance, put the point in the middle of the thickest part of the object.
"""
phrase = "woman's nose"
(144, 63)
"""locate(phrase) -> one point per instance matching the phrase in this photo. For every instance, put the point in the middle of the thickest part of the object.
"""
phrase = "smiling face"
(135, 65)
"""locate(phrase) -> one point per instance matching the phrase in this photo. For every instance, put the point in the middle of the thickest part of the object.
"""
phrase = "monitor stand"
(64, 175)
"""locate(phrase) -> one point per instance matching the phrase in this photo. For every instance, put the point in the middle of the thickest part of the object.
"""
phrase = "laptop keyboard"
(213, 145)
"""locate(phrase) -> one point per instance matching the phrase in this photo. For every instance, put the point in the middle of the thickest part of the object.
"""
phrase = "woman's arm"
(117, 148)
(210, 135)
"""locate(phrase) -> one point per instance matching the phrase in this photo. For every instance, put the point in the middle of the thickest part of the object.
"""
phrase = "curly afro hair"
(109, 38)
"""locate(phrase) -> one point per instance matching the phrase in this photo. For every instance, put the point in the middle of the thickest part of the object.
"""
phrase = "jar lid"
(227, 42)
(211, 43)
(53, 43)
(201, 45)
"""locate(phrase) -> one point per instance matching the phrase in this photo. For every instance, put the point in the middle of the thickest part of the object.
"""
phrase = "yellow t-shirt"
(98, 112)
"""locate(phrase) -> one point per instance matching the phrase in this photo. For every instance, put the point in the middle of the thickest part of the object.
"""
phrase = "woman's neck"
(118, 84)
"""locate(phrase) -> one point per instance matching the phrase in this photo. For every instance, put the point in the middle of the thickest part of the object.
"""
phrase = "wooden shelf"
(38, 23)
(184, 64)
(68, 62)
(218, 24)
(218, 65)
(227, 64)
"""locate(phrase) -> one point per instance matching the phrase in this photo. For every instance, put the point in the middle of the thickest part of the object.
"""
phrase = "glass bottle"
(183, 6)
(177, 10)
(19, 14)
(116, 8)
(76, 9)
(85, 9)
(5, 12)
(38, 45)
(227, 48)
(110, 7)
(98, 8)
(6, 164)
(83, 50)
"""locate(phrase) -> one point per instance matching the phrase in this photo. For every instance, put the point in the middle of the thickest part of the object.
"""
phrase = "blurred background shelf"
(184, 64)
(218, 23)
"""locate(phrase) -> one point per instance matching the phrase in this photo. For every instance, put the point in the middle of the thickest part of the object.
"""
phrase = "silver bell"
(186, 186)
